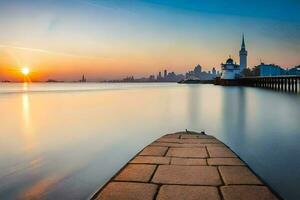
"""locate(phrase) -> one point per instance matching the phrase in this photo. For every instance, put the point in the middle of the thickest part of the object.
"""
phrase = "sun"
(25, 71)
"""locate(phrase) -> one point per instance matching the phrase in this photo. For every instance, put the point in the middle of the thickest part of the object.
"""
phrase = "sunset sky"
(109, 39)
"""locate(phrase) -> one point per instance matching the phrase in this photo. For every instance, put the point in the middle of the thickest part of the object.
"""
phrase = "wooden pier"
(188, 166)
(280, 83)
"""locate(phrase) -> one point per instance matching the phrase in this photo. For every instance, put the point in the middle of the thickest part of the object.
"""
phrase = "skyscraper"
(214, 71)
(159, 77)
(197, 71)
(165, 74)
(83, 79)
(243, 55)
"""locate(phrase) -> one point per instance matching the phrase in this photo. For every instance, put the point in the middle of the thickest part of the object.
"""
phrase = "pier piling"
(280, 83)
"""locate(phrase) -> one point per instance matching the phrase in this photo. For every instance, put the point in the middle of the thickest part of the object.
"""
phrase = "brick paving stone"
(244, 192)
(127, 190)
(154, 151)
(220, 152)
(224, 161)
(166, 144)
(188, 161)
(238, 175)
(136, 172)
(178, 192)
(193, 152)
(187, 175)
(151, 160)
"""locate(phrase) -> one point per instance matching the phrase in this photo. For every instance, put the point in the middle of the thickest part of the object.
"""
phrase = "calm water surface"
(65, 140)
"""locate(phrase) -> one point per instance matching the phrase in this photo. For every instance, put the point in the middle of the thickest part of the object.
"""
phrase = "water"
(65, 140)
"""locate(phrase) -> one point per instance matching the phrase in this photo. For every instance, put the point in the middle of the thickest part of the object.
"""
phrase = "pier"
(185, 165)
(281, 83)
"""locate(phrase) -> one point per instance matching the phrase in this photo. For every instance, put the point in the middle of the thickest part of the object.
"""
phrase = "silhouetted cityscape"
(230, 70)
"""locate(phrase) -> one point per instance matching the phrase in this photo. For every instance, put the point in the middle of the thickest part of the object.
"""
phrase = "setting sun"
(25, 71)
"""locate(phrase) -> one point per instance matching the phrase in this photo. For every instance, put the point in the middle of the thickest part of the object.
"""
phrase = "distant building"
(179, 77)
(231, 70)
(170, 77)
(159, 77)
(51, 81)
(214, 71)
(128, 79)
(190, 75)
(83, 79)
(198, 74)
(197, 71)
(151, 77)
(243, 55)
(270, 70)
(294, 71)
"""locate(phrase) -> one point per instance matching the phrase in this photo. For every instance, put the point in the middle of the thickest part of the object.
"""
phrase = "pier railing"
(281, 83)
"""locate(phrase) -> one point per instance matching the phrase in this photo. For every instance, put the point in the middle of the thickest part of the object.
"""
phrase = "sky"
(110, 39)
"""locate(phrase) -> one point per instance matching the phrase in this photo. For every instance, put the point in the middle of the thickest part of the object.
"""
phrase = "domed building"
(231, 70)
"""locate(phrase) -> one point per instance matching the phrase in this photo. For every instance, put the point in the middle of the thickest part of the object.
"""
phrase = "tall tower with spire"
(243, 55)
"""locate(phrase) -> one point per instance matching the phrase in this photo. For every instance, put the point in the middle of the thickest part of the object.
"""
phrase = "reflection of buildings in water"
(193, 106)
(234, 116)
(241, 109)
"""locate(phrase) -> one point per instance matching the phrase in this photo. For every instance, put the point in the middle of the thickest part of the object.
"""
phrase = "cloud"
(49, 52)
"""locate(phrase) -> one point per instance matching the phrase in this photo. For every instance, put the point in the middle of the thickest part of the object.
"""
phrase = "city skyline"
(110, 40)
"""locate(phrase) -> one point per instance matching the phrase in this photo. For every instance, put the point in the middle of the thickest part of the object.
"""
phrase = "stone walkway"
(183, 166)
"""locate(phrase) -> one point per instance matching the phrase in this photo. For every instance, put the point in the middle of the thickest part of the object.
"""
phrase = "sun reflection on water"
(26, 110)
(28, 133)
(25, 87)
